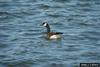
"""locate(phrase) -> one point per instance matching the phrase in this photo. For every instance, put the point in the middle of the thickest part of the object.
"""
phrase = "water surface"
(22, 42)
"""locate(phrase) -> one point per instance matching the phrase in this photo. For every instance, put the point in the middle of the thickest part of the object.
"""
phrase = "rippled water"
(22, 42)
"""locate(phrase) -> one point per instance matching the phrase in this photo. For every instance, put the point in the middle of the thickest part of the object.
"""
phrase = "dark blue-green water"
(22, 41)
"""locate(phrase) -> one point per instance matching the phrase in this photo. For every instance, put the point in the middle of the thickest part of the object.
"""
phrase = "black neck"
(48, 28)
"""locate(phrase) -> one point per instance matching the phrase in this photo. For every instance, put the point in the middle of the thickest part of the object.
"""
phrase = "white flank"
(55, 37)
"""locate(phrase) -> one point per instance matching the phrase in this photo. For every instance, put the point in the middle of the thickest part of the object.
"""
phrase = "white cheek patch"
(45, 24)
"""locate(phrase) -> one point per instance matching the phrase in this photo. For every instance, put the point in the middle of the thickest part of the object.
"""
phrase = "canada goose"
(51, 35)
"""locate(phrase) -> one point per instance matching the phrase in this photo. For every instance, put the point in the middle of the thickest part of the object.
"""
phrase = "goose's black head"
(45, 24)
